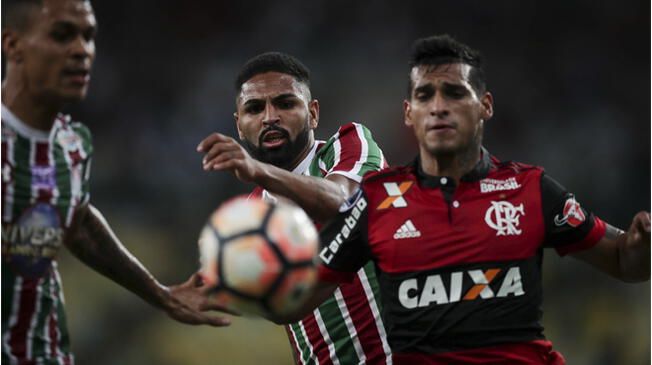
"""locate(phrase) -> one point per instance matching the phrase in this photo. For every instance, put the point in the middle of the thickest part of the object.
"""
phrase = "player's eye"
(286, 104)
(254, 108)
(62, 35)
(455, 92)
(423, 95)
(90, 34)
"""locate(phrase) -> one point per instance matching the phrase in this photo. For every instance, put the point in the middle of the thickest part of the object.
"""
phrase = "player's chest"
(33, 168)
(423, 229)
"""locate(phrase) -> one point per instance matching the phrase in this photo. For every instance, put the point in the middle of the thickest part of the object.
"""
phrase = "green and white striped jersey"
(347, 327)
(45, 177)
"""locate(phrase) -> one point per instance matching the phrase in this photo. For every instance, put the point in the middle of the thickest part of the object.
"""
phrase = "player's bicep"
(569, 227)
(343, 239)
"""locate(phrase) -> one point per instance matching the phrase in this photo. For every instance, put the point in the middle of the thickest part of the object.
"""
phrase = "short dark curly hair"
(442, 49)
(273, 62)
(16, 13)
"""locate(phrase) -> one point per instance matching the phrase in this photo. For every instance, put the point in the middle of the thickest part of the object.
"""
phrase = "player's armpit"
(320, 292)
(623, 255)
(347, 186)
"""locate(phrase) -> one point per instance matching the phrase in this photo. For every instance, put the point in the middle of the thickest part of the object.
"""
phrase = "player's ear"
(237, 125)
(407, 113)
(313, 108)
(487, 101)
(10, 46)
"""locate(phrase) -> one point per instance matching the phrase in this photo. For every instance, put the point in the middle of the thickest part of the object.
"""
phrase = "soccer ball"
(259, 256)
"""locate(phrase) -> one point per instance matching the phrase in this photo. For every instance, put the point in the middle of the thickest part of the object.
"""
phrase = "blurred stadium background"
(571, 82)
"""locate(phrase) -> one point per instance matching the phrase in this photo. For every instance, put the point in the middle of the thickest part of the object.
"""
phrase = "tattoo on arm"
(93, 242)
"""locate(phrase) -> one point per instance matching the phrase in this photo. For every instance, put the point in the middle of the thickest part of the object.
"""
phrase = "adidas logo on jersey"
(407, 230)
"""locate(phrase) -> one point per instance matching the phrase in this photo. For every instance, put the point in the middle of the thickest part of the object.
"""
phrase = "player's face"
(445, 111)
(276, 118)
(54, 54)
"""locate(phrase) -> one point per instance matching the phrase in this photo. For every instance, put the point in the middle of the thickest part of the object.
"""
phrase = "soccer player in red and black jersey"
(457, 236)
(49, 48)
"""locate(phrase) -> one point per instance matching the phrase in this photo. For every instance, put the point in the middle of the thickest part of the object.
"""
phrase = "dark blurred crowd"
(571, 83)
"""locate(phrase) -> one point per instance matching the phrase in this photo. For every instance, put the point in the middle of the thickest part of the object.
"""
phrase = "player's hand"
(635, 253)
(638, 235)
(188, 301)
(223, 153)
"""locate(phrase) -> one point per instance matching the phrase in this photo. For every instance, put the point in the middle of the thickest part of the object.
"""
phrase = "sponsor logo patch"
(350, 202)
(490, 185)
(355, 209)
(33, 241)
(69, 140)
(43, 177)
(572, 214)
(395, 192)
(413, 293)
(407, 230)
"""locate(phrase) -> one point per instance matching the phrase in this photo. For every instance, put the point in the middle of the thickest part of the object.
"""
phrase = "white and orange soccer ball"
(259, 255)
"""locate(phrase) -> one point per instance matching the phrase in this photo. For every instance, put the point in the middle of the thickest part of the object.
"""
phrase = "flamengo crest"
(504, 218)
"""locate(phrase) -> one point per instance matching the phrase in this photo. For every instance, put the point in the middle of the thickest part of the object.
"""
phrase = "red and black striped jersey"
(459, 265)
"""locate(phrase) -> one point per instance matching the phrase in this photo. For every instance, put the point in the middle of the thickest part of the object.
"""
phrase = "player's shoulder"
(348, 135)
(388, 174)
(352, 130)
(512, 167)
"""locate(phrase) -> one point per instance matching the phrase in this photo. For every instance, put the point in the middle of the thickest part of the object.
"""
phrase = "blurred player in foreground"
(276, 117)
(458, 236)
(49, 47)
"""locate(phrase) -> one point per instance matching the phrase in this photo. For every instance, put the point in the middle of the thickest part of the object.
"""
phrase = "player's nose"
(82, 48)
(439, 106)
(270, 115)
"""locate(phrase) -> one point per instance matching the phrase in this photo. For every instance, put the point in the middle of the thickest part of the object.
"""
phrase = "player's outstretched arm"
(623, 255)
(92, 241)
(320, 198)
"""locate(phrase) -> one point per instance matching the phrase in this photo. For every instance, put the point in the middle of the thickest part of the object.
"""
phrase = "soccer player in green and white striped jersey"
(276, 117)
(49, 50)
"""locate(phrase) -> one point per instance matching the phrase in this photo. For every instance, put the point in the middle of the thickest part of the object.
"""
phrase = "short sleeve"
(344, 248)
(87, 153)
(569, 226)
(351, 152)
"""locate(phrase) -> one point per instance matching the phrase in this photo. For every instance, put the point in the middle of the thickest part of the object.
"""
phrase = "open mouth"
(274, 138)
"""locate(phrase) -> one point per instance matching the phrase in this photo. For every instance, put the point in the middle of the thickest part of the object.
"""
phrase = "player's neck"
(38, 115)
(300, 157)
(454, 165)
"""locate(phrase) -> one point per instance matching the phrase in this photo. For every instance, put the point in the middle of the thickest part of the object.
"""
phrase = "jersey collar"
(12, 120)
(302, 167)
(478, 172)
